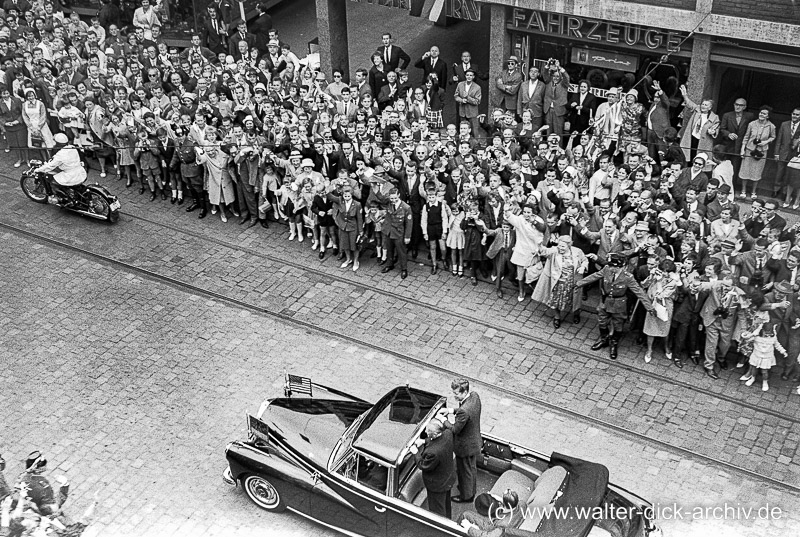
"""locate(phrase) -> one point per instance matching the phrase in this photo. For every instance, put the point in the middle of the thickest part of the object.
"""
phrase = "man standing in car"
(467, 442)
(435, 460)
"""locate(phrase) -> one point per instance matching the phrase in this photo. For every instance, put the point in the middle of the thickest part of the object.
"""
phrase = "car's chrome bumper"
(227, 477)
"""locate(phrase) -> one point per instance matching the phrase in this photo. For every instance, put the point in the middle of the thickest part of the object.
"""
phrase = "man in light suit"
(467, 441)
(788, 133)
(718, 314)
(555, 98)
(394, 57)
(397, 232)
(732, 129)
(531, 97)
(468, 96)
(508, 84)
(700, 127)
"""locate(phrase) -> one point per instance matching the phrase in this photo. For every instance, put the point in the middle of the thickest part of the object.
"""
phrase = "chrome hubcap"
(262, 491)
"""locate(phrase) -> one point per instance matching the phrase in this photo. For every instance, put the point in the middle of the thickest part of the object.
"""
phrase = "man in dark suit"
(732, 128)
(555, 97)
(214, 32)
(346, 157)
(467, 439)
(788, 133)
(394, 57)
(241, 35)
(581, 108)
(397, 232)
(786, 270)
(260, 27)
(434, 457)
(460, 69)
(657, 121)
(431, 63)
(531, 97)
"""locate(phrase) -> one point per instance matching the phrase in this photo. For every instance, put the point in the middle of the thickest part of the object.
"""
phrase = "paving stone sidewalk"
(133, 387)
(671, 413)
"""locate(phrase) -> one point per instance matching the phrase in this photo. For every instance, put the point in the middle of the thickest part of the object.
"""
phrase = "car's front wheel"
(263, 493)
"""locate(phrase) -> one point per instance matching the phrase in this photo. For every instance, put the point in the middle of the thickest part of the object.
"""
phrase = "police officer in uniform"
(615, 282)
(192, 173)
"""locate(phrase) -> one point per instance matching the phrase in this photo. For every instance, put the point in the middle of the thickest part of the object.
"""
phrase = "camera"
(722, 312)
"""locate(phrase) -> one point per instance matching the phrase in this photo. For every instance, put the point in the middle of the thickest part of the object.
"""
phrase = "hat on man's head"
(512, 58)
(612, 91)
(61, 138)
(724, 189)
(616, 259)
(642, 225)
(260, 87)
(727, 243)
(246, 119)
(189, 95)
(379, 170)
(274, 43)
(295, 154)
(307, 163)
(784, 287)
(701, 156)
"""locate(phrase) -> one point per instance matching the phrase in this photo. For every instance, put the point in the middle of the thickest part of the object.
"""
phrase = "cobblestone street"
(133, 386)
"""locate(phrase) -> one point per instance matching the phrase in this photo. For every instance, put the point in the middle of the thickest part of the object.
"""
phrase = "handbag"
(794, 163)
(37, 140)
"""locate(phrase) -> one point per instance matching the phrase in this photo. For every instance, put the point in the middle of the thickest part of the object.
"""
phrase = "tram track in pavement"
(474, 319)
(341, 335)
(558, 347)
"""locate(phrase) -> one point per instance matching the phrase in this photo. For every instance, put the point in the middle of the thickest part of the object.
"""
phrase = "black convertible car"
(346, 464)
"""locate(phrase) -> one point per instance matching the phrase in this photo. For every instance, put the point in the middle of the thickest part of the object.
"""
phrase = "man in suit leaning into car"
(434, 457)
(467, 440)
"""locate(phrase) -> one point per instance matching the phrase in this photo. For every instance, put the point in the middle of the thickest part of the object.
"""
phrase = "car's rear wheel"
(263, 493)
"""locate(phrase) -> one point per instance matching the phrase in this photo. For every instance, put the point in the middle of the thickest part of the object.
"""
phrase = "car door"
(352, 503)
(407, 513)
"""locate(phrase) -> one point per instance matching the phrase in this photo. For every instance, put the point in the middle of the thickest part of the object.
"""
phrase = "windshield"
(343, 445)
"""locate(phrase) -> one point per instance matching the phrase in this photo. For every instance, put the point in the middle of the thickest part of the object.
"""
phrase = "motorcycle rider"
(72, 173)
(40, 491)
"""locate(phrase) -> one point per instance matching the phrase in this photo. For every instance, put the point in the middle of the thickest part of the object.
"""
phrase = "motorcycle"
(94, 200)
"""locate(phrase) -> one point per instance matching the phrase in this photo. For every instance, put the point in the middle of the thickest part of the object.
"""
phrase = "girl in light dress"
(763, 355)
(456, 240)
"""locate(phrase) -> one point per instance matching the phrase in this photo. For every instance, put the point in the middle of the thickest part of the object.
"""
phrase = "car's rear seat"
(537, 494)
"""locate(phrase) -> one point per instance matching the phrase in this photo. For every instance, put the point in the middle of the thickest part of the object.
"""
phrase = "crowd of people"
(556, 192)
(30, 505)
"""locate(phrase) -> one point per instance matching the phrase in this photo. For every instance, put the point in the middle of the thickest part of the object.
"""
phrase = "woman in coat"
(11, 121)
(661, 286)
(34, 115)
(218, 179)
(556, 288)
(760, 133)
(145, 17)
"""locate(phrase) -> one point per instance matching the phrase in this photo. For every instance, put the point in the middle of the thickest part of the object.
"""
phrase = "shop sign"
(613, 33)
(400, 4)
(467, 10)
(605, 59)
